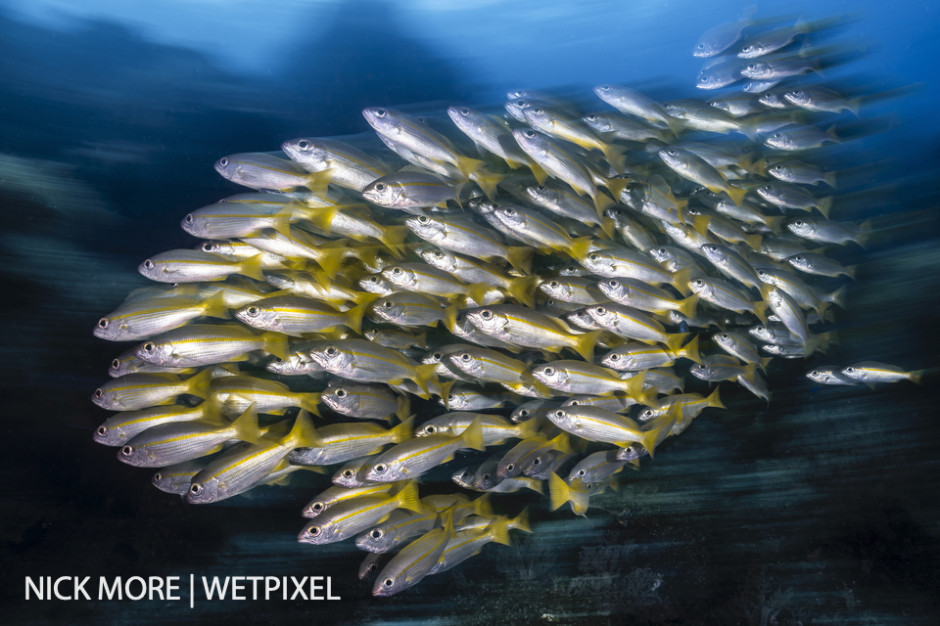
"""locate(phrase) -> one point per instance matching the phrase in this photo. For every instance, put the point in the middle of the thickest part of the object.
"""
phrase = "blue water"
(819, 509)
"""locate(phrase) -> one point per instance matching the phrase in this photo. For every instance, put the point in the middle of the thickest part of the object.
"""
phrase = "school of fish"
(522, 296)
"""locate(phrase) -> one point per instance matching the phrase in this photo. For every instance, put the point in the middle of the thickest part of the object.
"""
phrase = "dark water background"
(822, 508)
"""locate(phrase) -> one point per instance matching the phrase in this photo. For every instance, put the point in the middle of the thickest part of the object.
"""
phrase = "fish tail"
(608, 227)
(825, 206)
(521, 521)
(831, 134)
(634, 386)
(246, 425)
(687, 305)
(714, 400)
(754, 242)
(760, 310)
(317, 181)
(302, 434)
(214, 306)
(403, 431)
(830, 179)
(674, 341)
(407, 497)
(654, 436)
(354, 317)
(310, 402)
(403, 407)
(850, 271)
(561, 442)
(276, 344)
(450, 316)
(584, 345)
(680, 280)
(443, 391)
(558, 491)
(488, 181)
(579, 247)
(499, 531)
(540, 175)
(198, 384)
(468, 166)
(690, 350)
(251, 267)
(523, 288)
(425, 374)
(811, 345)
(700, 224)
(736, 194)
(330, 260)
(394, 239)
(529, 428)
(916, 376)
(322, 218)
(765, 362)
(281, 222)
(520, 257)
(477, 292)
(758, 167)
(473, 436)
(482, 506)
(774, 222)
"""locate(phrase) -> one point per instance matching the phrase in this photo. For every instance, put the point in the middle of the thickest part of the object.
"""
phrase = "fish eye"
(397, 271)
(592, 257)
(116, 363)
(430, 429)
(207, 246)
(798, 223)
(437, 356)
(486, 314)
(581, 472)
(574, 403)
(387, 304)
(776, 136)
(465, 357)
(189, 219)
(127, 451)
(799, 258)
(157, 477)
(380, 468)
(698, 282)
(486, 476)
(376, 533)
(252, 311)
(388, 582)
(510, 467)
(558, 413)
(373, 279)
(553, 283)
(103, 322)
(465, 111)
(379, 187)
(381, 112)
(591, 117)
(331, 351)
(195, 489)
(648, 413)
(614, 357)
(600, 310)
(850, 370)
(549, 371)
(423, 219)
(148, 264)
(537, 460)
(102, 430)
(317, 506)
(509, 211)
(604, 87)
(701, 46)
(348, 473)
(340, 393)
(303, 144)
(529, 133)
(313, 531)
(524, 413)
(223, 161)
